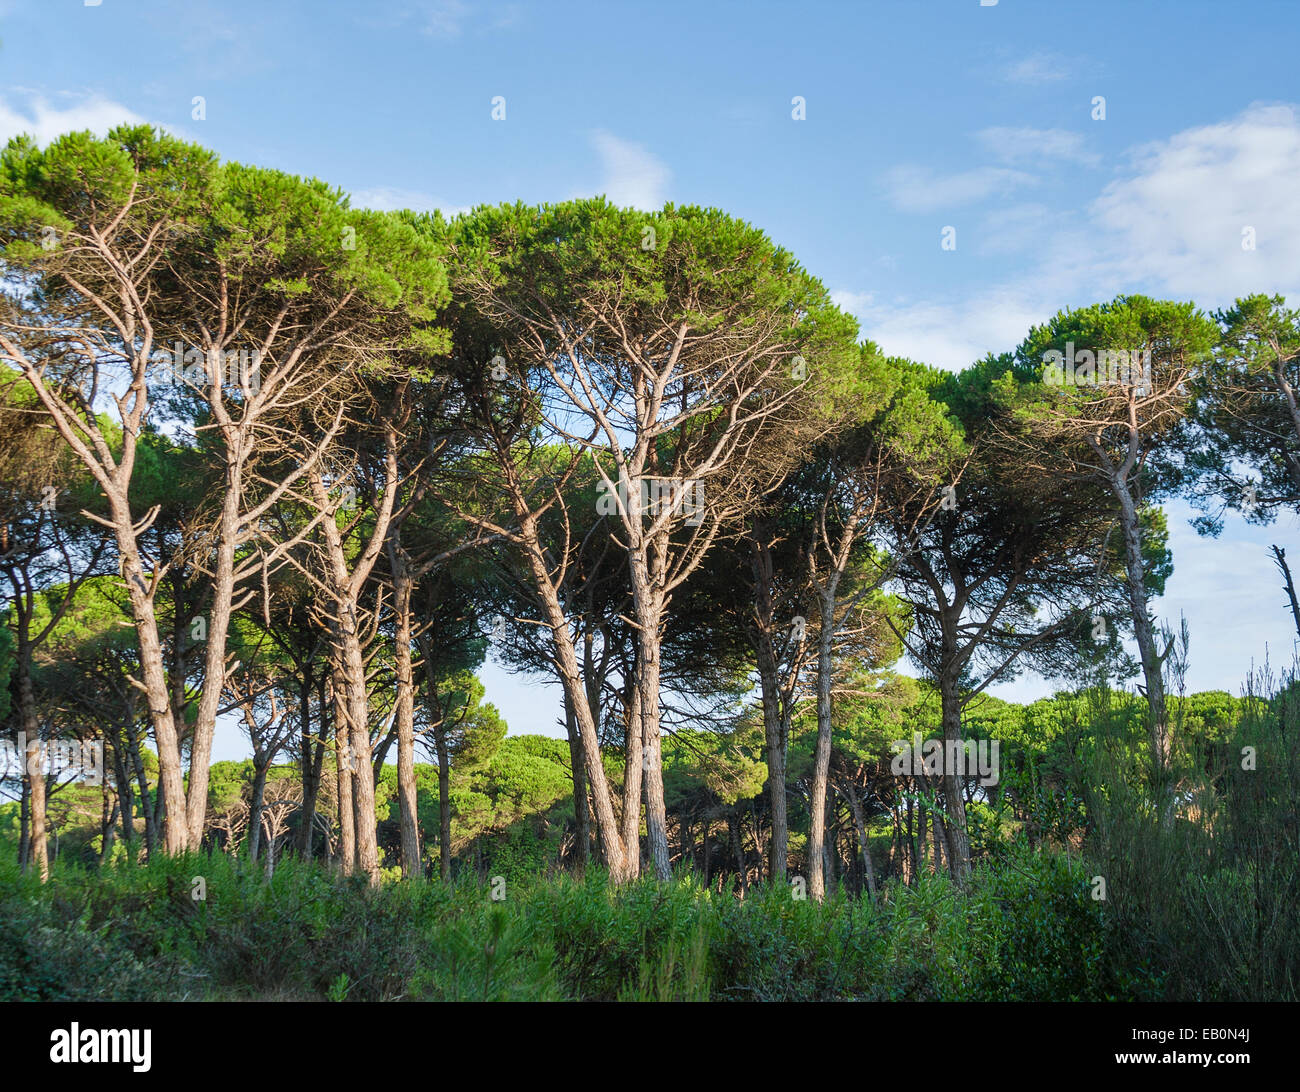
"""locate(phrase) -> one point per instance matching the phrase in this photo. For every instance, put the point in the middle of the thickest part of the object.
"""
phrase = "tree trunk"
(24, 813)
(343, 768)
(218, 624)
(774, 733)
(311, 758)
(1144, 632)
(147, 807)
(255, 809)
(436, 715)
(122, 777)
(581, 815)
(33, 760)
(1279, 556)
(350, 668)
(738, 849)
(829, 847)
(616, 858)
(171, 785)
(918, 861)
(775, 738)
(860, 829)
(647, 603)
(822, 755)
(633, 777)
(954, 798)
(108, 824)
(38, 853)
(444, 802)
(406, 792)
(353, 670)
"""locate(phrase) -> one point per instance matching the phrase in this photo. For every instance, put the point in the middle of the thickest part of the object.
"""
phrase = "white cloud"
(1171, 228)
(449, 19)
(1023, 144)
(45, 122)
(1017, 228)
(1038, 68)
(388, 198)
(631, 175)
(919, 189)
(1178, 221)
(445, 18)
(852, 302)
(946, 333)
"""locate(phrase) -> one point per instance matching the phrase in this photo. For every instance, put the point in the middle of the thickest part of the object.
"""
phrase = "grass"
(1028, 929)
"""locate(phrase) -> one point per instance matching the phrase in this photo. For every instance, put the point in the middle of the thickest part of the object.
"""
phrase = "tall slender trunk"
(444, 802)
(310, 760)
(34, 759)
(255, 810)
(656, 812)
(406, 792)
(774, 733)
(108, 822)
(738, 849)
(829, 848)
(171, 784)
(613, 851)
(581, 816)
(954, 799)
(918, 861)
(343, 768)
(822, 754)
(860, 829)
(1144, 632)
(350, 669)
(758, 836)
(214, 670)
(646, 561)
(633, 776)
(122, 778)
(147, 806)
(775, 741)
(436, 715)
(24, 815)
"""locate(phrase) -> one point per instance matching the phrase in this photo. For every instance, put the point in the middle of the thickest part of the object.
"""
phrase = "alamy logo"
(193, 367)
(82, 758)
(658, 495)
(1105, 368)
(964, 758)
(78, 1044)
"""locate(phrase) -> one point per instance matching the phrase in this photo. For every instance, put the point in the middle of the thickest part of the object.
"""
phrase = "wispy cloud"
(445, 18)
(451, 19)
(389, 198)
(919, 189)
(1025, 145)
(1038, 68)
(1172, 226)
(631, 175)
(852, 302)
(1178, 220)
(46, 121)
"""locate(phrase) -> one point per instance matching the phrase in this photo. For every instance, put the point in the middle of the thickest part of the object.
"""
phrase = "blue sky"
(920, 115)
